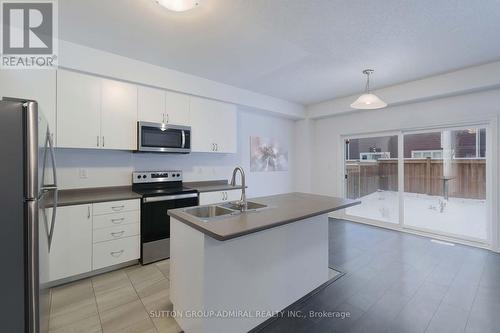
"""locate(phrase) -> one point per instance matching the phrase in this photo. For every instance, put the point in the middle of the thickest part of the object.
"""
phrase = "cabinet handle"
(97, 141)
(163, 118)
(116, 254)
(117, 221)
(88, 212)
(118, 234)
(118, 208)
(216, 147)
(103, 140)
(168, 119)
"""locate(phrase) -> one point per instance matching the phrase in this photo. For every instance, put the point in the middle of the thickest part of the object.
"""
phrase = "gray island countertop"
(282, 209)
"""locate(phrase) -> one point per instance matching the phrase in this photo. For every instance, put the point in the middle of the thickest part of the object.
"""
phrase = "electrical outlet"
(83, 173)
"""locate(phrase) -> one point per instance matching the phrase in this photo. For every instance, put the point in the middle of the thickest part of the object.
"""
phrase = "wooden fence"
(421, 176)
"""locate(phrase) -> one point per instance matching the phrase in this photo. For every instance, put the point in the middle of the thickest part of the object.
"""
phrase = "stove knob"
(139, 176)
(178, 175)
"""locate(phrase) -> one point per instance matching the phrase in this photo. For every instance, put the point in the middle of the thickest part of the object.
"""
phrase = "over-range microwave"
(163, 138)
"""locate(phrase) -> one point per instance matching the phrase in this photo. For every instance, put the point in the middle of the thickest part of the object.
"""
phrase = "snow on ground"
(462, 217)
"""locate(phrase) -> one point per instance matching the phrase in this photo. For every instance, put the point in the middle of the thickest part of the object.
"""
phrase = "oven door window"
(155, 222)
(154, 137)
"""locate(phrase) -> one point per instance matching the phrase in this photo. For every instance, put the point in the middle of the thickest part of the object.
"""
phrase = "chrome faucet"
(243, 202)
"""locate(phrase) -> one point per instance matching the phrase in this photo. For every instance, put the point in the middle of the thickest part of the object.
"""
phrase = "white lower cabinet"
(71, 250)
(117, 232)
(209, 198)
(94, 236)
(116, 219)
(115, 252)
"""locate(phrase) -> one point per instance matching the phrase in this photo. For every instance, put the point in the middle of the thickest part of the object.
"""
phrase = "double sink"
(214, 212)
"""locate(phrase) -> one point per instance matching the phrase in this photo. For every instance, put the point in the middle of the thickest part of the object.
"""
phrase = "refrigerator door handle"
(53, 188)
(53, 219)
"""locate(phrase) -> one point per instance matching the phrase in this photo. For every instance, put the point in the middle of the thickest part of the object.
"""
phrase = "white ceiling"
(304, 51)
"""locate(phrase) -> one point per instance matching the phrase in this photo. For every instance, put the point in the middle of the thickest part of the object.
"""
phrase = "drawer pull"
(116, 254)
(118, 234)
(118, 221)
(118, 208)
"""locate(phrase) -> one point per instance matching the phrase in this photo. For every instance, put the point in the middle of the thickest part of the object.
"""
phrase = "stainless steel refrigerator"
(28, 201)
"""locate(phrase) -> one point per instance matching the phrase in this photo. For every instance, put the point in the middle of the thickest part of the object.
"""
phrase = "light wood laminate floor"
(126, 301)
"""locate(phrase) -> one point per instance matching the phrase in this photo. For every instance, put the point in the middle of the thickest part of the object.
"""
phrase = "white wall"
(114, 168)
(327, 153)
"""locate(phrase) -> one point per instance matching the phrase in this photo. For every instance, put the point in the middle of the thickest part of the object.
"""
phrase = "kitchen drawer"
(115, 207)
(116, 232)
(117, 219)
(115, 252)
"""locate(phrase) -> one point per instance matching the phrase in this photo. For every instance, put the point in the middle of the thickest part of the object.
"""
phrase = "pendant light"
(368, 101)
(178, 5)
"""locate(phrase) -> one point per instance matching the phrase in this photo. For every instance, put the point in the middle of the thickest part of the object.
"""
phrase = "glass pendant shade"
(368, 101)
(178, 5)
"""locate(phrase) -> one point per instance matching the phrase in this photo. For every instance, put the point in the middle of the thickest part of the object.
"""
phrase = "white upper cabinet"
(78, 110)
(160, 106)
(38, 85)
(95, 113)
(119, 115)
(213, 126)
(151, 104)
(177, 108)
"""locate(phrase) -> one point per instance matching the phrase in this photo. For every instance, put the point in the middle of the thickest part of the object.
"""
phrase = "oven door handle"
(183, 144)
(169, 197)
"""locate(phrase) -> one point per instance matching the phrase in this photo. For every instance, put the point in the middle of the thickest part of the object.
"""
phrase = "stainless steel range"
(161, 191)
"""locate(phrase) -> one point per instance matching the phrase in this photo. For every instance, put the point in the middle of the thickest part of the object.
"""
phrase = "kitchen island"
(230, 273)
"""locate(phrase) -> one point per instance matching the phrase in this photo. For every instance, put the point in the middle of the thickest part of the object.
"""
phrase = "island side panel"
(187, 261)
(264, 271)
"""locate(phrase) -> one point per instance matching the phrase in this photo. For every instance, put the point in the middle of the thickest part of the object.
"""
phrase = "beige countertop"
(282, 209)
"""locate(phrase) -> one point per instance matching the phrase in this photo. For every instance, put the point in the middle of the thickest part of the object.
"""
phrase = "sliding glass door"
(433, 181)
(371, 175)
(445, 182)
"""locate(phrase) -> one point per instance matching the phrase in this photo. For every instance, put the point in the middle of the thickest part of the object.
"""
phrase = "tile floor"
(119, 301)
(394, 282)
(397, 282)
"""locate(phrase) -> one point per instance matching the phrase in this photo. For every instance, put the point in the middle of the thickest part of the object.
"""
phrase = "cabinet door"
(119, 115)
(78, 110)
(38, 85)
(203, 119)
(177, 108)
(71, 251)
(151, 104)
(225, 135)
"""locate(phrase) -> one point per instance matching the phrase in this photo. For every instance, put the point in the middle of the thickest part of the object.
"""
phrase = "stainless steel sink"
(208, 212)
(252, 206)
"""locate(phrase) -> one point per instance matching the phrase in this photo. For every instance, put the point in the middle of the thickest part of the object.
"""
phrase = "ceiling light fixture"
(178, 5)
(368, 101)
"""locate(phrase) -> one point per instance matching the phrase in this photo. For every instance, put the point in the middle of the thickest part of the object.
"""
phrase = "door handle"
(116, 254)
(53, 187)
(117, 221)
(53, 219)
(118, 208)
(118, 234)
